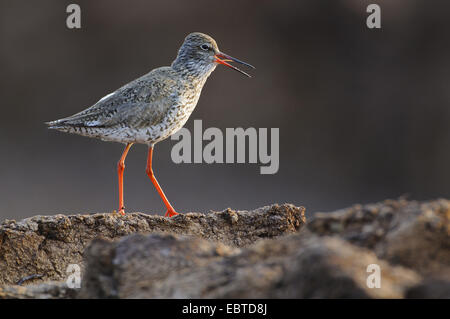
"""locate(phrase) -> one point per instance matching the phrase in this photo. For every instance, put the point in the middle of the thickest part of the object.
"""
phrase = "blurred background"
(363, 114)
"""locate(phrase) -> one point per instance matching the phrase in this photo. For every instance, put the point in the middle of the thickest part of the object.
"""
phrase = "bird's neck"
(197, 73)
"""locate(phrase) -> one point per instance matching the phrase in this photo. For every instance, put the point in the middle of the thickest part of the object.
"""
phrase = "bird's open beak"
(223, 58)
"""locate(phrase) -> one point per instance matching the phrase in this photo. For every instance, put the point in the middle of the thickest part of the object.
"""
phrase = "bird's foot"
(170, 213)
(121, 212)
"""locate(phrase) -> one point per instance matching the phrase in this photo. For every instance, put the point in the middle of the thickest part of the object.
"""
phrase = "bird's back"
(142, 111)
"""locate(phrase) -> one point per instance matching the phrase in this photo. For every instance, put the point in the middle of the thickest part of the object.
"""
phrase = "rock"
(122, 268)
(408, 233)
(430, 289)
(44, 246)
(50, 290)
(265, 253)
(296, 266)
(332, 268)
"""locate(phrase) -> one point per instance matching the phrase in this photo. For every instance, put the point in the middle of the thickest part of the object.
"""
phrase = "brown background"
(363, 114)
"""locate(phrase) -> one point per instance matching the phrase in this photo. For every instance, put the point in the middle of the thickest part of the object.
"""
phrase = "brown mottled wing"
(141, 103)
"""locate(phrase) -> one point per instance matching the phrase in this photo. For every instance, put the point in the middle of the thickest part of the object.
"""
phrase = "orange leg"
(170, 210)
(120, 169)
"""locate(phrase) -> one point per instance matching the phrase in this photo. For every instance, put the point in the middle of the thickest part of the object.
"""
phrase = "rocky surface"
(430, 289)
(266, 253)
(46, 245)
(49, 290)
(408, 233)
(170, 266)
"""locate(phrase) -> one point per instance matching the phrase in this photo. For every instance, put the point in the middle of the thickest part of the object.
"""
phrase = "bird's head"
(200, 55)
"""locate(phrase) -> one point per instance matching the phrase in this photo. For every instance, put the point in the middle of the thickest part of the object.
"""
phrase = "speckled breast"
(175, 118)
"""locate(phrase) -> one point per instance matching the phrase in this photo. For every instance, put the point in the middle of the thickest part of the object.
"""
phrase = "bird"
(152, 107)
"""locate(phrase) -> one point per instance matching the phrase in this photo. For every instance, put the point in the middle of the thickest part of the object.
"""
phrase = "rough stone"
(408, 233)
(46, 245)
(296, 266)
(264, 253)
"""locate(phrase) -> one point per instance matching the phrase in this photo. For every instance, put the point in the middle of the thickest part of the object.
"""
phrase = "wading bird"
(152, 107)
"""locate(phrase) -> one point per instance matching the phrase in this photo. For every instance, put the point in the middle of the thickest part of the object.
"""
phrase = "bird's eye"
(205, 47)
